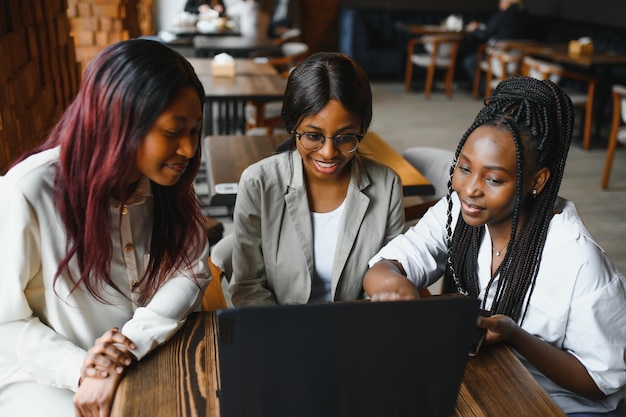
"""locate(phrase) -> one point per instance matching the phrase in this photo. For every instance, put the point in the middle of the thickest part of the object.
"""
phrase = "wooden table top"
(228, 156)
(234, 45)
(181, 377)
(415, 29)
(243, 66)
(558, 52)
(244, 87)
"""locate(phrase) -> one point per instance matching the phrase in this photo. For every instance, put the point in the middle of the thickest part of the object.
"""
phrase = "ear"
(540, 179)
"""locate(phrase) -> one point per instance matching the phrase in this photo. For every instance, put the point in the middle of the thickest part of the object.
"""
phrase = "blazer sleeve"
(249, 282)
(395, 218)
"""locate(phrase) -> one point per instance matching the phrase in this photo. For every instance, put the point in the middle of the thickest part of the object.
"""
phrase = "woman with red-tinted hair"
(104, 252)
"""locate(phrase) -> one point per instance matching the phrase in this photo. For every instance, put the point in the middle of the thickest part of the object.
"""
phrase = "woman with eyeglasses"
(308, 219)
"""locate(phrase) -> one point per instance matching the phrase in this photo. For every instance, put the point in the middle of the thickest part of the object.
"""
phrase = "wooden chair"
(213, 298)
(267, 115)
(482, 65)
(441, 52)
(544, 70)
(220, 264)
(618, 134)
(501, 64)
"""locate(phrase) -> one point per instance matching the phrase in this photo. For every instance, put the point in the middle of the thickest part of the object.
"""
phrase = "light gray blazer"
(273, 259)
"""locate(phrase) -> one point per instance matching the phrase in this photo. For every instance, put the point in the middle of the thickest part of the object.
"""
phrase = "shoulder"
(571, 245)
(270, 167)
(374, 170)
(274, 172)
(34, 174)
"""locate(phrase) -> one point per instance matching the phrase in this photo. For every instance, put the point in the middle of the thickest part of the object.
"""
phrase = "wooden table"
(228, 156)
(598, 64)
(180, 379)
(243, 66)
(226, 97)
(558, 52)
(419, 30)
(239, 46)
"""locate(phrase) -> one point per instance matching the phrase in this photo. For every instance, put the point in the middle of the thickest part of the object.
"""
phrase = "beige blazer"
(273, 259)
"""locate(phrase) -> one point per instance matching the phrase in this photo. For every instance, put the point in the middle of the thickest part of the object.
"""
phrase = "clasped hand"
(101, 373)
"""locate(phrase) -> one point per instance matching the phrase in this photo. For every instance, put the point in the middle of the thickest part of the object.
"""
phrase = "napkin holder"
(580, 47)
(223, 66)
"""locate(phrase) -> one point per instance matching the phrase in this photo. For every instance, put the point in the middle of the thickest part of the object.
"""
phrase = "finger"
(386, 296)
(118, 337)
(101, 363)
(88, 371)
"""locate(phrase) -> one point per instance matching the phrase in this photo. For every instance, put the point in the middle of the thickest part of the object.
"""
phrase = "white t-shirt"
(325, 233)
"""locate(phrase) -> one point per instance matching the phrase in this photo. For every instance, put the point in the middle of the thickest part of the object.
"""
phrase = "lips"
(471, 209)
(178, 167)
(326, 164)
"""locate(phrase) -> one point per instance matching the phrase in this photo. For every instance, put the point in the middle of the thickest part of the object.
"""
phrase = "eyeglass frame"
(298, 136)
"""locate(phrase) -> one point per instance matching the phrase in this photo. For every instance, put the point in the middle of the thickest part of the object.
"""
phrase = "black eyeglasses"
(314, 141)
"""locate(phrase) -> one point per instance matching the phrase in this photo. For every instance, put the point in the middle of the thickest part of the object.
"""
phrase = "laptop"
(404, 358)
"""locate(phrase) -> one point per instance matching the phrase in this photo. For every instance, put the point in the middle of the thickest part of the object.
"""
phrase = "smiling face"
(485, 178)
(328, 163)
(164, 152)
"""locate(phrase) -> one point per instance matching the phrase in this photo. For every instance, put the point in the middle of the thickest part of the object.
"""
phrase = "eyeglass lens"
(315, 141)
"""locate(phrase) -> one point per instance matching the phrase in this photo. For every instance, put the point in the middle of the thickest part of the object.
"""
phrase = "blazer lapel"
(297, 204)
(354, 212)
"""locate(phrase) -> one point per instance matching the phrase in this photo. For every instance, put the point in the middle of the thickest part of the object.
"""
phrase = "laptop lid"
(345, 359)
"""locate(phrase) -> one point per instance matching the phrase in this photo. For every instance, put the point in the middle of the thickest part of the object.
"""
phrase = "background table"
(226, 97)
(238, 46)
(181, 377)
(228, 156)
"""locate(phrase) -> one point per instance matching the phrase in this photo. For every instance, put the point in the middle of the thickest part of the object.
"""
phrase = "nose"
(472, 186)
(188, 145)
(328, 149)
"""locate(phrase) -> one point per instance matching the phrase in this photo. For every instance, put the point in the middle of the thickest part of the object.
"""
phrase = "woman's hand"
(110, 354)
(94, 397)
(499, 328)
(386, 281)
(395, 295)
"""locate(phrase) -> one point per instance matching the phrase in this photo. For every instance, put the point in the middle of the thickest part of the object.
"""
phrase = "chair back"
(620, 90)
(434, 163)
(295, 49)
(503, 64)
(222, 254)
(290, 35)
(542, 70)
(441, 46)
(618, 132)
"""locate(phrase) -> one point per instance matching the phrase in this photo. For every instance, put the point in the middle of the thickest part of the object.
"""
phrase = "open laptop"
(345, 359)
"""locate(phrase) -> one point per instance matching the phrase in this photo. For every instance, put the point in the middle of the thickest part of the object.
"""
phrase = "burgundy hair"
(124, 90)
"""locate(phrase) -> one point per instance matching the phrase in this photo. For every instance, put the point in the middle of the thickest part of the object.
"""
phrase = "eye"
(494, 181)
(347, 138)
(171, 133)
(463, 169)
(312, 136)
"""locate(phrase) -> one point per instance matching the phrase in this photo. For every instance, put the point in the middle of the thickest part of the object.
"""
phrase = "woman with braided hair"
(503, 234)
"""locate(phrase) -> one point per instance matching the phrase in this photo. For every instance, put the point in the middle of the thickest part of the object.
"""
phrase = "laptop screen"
(345, 359)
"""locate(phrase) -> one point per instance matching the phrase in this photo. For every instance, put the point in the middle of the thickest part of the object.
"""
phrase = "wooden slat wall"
(95, 24)
(44, 47)
(38, 72)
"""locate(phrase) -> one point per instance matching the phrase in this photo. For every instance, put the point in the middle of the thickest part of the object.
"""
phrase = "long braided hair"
(540, 117)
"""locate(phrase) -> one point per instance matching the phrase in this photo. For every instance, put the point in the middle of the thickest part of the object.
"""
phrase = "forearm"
(558, 365)
(388, 276)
